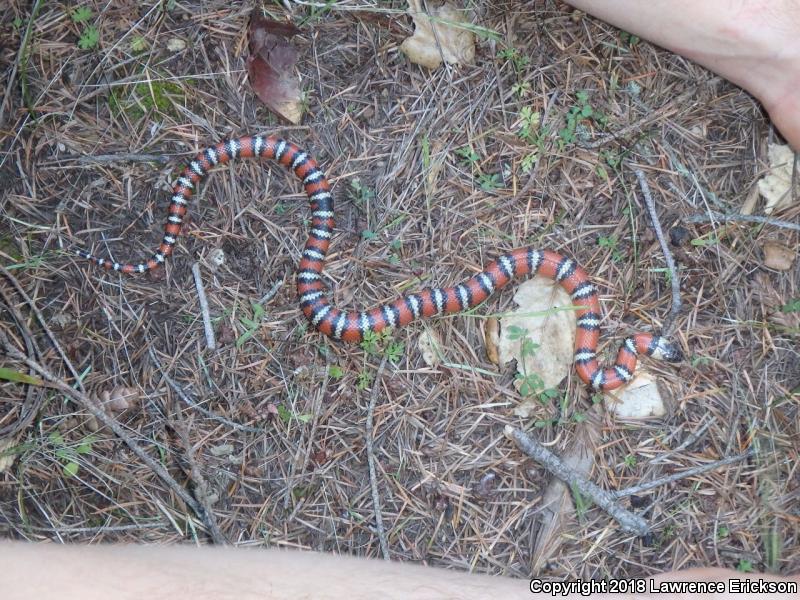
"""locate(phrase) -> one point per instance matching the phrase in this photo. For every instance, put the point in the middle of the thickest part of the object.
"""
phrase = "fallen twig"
(211, 341)
(33, 396)
(43, 324)
(554, 465)
(690, 439)
(194, 405)
(637, 489)
(201, 489)
(673, 270)
(98, 413)
(373, 479)
(271, 292)
(733, 218)
(20, 57)
(123, 157)
(637, 126)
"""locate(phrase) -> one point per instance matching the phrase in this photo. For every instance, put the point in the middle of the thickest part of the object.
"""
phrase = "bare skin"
(753, 43)
(79, 572)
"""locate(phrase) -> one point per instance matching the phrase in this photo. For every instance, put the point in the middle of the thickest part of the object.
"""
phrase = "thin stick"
(555, 466)
(211, 342)
(637, 489)
(673, 271)
(644, 121)
(271, 292)
(535, 171)
(122, 157)
(194, 405)
(733, 218)
(690, 439)
(99, 414)
(373, 478)
(34, 397)
(20, 57)
(201, 488)
(43, 324)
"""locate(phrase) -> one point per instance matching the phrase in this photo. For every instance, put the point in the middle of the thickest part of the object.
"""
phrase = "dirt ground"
(434, 175)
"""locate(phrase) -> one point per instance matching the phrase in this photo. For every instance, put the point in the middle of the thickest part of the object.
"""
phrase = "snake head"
(663, 349)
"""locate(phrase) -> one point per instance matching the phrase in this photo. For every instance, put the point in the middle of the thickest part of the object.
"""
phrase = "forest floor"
(435, 173)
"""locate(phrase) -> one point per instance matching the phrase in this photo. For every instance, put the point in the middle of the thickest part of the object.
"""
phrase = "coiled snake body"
(352, 326)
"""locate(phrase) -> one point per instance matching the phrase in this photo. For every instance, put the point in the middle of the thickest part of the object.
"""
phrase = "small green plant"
(138, 44)
(529, 125)
(530, 384)
(519, 62)
(629, 461)
(488, 182)
(81, 14)
(287, 416)
(700, 361)
(359, 192)
(372, 341)
(69, 455)
(531, 131)
(335, 372)
(791, 306)
(157, 94)
(528, 161)
(302, 329)
(382, 344)
(17, 23)
(708, 240)
(628, 39)
(394, 351)
(744, 566)
(611, 158)
(251, 325)
(580, 111)
(521, 88)
(363, 379)
(610, 242)
(515, 57)
(90, 36)
(723, 532)
(469, 155)
(395, 247)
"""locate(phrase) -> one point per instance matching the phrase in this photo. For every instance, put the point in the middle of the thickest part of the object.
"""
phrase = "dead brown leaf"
(430, 346)
(556, 509)
(438, 36)
(778, 256)
(540, 320)
(115, 402)
(640, 399)
(270, 67)
(491, 337)
(776, 185)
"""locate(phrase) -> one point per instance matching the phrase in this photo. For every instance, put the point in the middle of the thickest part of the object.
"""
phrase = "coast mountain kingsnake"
(351, 326)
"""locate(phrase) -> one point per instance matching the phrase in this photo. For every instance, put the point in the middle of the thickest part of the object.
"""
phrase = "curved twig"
(675, 308)
(734, 218)
(373, 478)
(554, 465)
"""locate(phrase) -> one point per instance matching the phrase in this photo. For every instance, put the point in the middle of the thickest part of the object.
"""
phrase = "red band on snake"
(351, 326)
